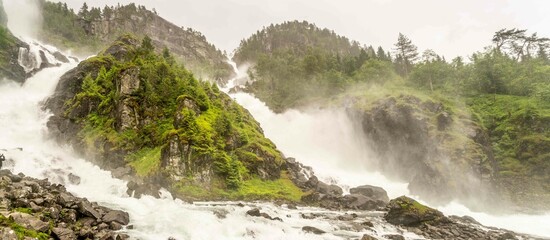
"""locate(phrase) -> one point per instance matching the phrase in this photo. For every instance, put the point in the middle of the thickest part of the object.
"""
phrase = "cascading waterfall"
(327, 141)
(23, 139)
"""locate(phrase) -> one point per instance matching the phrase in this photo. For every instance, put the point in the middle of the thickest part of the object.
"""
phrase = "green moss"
(24, 210)
(282, 188)
(21, 231)
(250, 189)
(146, 161)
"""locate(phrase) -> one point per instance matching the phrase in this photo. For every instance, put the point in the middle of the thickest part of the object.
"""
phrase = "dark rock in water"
(60, 57)
(361, 202)
(291, 206)
(507, 236)
(368, 237)
(322, 187)
(432, 224)
(408, 212)
(373, 192)
(73, 179)
(221, 213)
(121, 172)
(394, 237)
(255, 212)
(313, 230)
(117, 216)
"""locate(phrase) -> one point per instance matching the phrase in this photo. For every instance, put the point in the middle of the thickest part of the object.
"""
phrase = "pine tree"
(84, 11)
(406, 52)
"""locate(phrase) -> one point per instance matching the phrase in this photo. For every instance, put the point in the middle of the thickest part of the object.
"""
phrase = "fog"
(449, 27)
(24, 17)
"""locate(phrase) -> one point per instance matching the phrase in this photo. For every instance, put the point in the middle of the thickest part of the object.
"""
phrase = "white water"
(23, 140)
(327, 140)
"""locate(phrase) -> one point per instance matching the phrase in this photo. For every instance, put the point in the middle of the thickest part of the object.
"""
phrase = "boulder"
(73, 179)
(368, 237)
(394, 237)
(87, 209)
(361, 202)
(373, 192)
(29, 221)
(408, 212)
(117, 216)
(313, 230)
(63, 233)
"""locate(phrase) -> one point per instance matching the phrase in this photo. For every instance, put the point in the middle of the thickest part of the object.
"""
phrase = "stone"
(29, 221)
(117, 216)
(73, 179)
(115, 226)
(408, 212)
(255, 212)
(368, 237)
(361, 202)
(314, 230)
(373, 192)
(394, 237)
(63, 233)
(86, 208)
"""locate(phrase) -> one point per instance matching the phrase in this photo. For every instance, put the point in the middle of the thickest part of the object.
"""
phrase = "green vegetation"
(506, 89)
(24, 210)
(146, 161)
(21, 231)
(88, 30)
(296, 63)
(9, 49)
(250, 189)
(168, 109)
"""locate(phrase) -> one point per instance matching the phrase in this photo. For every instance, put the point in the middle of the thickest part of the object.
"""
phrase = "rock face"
(186, 44)
(442, 154)
(49, 210)
(191, 131)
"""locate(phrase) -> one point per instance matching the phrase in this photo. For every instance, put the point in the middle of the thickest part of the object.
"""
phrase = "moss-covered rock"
(408, 212)
(130, 106)
(9, 53)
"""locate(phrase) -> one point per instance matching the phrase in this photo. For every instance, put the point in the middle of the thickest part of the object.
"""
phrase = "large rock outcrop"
(128, 106)
(93, 31)
(440, 152)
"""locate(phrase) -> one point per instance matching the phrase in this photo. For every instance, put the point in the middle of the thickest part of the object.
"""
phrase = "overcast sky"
(451, 28)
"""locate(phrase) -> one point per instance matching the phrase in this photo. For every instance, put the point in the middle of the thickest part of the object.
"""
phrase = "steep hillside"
(9, 51)
(296, 63)
(460, 127)
(92, 29)
(131, 107)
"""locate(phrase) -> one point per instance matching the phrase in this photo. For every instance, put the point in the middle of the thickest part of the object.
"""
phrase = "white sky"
(451, 28)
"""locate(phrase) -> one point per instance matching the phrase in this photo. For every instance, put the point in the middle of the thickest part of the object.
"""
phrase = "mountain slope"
(296, 63)
(93, 29)
(130, 106)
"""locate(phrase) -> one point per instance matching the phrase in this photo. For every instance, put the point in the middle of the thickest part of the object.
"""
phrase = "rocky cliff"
(434, 146)
(131, 107)
(90, 30)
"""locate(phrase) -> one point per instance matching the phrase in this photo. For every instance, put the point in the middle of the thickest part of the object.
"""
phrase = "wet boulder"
(373, 192)
(408, 212)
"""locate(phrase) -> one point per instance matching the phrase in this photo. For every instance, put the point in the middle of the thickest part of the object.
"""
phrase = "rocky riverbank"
(36, 209)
